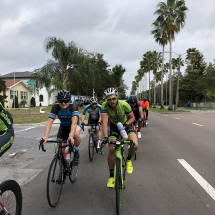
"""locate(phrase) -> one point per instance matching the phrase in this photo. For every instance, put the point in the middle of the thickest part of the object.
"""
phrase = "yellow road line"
(176, 118)
(166, 115)
(197, 124)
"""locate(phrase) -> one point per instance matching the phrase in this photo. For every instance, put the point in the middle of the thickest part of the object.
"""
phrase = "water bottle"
(67, 159)
(122, 131)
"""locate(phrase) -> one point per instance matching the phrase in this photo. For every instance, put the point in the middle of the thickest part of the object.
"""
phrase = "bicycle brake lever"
(42, 146)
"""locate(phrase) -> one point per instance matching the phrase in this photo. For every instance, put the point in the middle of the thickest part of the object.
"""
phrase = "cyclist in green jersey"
(6, 130)
(117, 111)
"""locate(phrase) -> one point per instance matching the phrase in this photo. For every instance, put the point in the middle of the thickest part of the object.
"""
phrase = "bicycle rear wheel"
(74, 169)
(10, 198)
(118, 186)
(91, 146)
(55, 182)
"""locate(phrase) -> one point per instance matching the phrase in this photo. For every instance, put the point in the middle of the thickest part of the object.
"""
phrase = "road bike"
(92, 144)
(10, 198)
(119, 169)
(59, 170)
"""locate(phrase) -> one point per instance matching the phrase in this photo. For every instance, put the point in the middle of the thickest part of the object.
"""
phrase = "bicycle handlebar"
(58, 140)
(92, 126)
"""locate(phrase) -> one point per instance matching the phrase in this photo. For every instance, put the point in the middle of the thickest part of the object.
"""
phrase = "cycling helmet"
(144, 99)
(110, 91)
(63, 95)
(132, 99)
(93, 100)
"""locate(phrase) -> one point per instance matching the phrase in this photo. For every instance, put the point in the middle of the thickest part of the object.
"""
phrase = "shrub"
(23, 103)
(16, 102)
(33, 103)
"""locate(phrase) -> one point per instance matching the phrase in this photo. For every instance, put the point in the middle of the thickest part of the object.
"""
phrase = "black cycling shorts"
(6, 140)
(92, 121)
(113, 132)
(137, 115)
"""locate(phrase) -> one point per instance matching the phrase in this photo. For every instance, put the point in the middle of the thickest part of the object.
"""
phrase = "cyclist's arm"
(74, 120)
(104, 118)
(82, 118)
(100, 118)
(131, 118)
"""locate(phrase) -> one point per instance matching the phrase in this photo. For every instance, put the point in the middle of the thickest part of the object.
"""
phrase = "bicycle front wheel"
(10, 198)
(91, 146)
(54, 182)
(118, 185)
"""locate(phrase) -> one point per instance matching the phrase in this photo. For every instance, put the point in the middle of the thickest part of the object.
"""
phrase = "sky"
(118, 29)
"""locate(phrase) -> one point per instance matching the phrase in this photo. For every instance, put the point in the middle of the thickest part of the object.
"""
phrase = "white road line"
(24, 129)
(205, 185)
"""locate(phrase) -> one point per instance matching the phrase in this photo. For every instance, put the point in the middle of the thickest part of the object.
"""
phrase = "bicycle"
(92, 140)
(134, 127)
(10, 198)
(119, 169)
(59, 171)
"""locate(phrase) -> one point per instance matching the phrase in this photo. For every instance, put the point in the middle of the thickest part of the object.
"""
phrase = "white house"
(40, 97)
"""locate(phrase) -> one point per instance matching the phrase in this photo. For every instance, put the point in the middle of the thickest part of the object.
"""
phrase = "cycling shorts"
(6, 140)
(113, 132)
(137, 115)
(92, 121)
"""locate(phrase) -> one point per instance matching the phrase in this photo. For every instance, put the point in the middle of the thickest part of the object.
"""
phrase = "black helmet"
(63, 95)
(144, 99)
(132, 99)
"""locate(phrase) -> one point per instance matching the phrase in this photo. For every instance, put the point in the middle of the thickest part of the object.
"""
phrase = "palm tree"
(191, 56)
(161, 37)
(172, 15)
(166, 67)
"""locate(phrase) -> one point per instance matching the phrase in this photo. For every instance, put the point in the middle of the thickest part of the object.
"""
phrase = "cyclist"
(69, 127)
(117, 111)
(94, 110)
(138, 112)
(145, 106)
(6, 130)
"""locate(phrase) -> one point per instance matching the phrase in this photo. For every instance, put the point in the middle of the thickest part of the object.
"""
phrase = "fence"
(204, 105)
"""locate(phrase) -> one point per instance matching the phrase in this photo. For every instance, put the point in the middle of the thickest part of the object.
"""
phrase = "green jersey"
(5, 121)
(123, 109)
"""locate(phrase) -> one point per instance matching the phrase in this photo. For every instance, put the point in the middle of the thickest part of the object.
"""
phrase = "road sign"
(30, 85)
(31, 82)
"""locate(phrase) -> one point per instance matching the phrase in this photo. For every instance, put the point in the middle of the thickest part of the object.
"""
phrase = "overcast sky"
(120, 29)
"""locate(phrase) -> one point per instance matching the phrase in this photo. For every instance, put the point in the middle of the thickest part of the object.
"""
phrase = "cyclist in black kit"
(69, 127)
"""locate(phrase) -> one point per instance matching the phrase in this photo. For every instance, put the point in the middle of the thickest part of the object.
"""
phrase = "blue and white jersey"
(65, 117)
(93, 113)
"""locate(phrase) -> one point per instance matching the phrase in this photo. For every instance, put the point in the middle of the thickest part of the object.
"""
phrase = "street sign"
(31, 82)
(30, 85)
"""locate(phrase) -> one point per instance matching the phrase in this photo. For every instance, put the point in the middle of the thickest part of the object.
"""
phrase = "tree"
(166, 67)
(2, 89)
(33, 103)
(16, 102)
(172, 15)
(161, 37)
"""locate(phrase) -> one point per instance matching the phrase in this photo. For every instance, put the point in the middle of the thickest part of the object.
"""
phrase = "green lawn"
(165, 110)
(21, 115)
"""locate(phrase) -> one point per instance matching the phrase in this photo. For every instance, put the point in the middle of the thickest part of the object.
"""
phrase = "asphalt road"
(173, 173)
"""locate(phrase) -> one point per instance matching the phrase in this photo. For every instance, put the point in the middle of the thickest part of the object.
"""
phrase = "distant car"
(86, 102)
(79, 102)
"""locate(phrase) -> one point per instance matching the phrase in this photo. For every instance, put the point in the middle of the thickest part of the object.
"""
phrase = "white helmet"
(93, 100)
(110, 91)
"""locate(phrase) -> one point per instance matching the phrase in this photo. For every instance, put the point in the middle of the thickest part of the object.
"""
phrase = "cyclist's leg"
(146, 114)
(63, 133)
(77, 143)
(6, 140)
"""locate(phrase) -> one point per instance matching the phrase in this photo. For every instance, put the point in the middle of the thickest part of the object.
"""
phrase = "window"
(13, 94)
(24, 95)
(41, 98)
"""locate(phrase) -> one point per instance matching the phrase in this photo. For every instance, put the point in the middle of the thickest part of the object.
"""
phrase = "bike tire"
(118, 185)
(91, 146)
(55, 181)
(8, 188)
(73, 170)
(95, 144)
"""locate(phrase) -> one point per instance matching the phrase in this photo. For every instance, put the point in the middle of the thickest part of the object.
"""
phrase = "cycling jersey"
(145, 105)
(122, 110)
(93, 113)
(64, 116)
(137, 107)
(5, 119)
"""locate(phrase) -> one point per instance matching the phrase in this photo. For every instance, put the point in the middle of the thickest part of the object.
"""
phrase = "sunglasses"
(94, 104)
(112, 99)
(64, 101)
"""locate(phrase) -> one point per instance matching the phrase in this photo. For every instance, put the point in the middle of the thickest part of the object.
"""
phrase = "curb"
(170, 112)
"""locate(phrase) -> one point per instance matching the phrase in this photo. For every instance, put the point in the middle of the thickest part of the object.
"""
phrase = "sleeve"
(74, 109)
(54, 111)
(139, 105)
(127, 107)
(86, 109)
(104, 107)
(100, 108)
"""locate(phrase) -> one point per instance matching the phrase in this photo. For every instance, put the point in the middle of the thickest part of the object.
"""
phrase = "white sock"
(98, 144)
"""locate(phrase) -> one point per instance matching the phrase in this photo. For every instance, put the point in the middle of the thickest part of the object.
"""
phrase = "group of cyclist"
(109, 114)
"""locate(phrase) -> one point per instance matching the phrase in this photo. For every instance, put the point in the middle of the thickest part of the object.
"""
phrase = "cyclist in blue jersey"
(69, 117)
(94, 110)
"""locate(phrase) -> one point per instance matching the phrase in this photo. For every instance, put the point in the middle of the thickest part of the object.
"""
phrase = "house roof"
(10, 83)
(17, 75)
